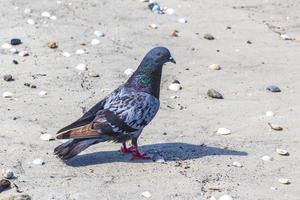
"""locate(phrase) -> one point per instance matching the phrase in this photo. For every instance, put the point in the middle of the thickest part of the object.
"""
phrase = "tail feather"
(73, 147)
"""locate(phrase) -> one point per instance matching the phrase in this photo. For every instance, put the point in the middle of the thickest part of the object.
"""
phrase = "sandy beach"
(256, 44)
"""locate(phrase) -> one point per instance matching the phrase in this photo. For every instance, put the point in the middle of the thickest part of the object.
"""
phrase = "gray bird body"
(120, 116)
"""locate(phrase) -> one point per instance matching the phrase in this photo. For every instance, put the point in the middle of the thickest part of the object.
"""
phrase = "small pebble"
(46, 137)
(273, 88)
(275, 127)
(170, 11)
(13, 50)
(66, 54)
(282, 152)
(249, 42)
(208, 36)
(23, 53)
(225, 197)
(27, 11)
(273, 188)
(223, 131)
(174, 97)
(45, 14)
(53, 17)
(284, 181)
(18, 197)
(43, 93)
(269, 114)
(15, 41)
(212, 198)
(175, 86)
(129, 71)
(7, 173)
(146, 194)
(4, 184)
(93, 74)
(213, 186)
(81, 67)
(95, 41)
(15, 62)
(286, 37)
(38, 162)
(214, 67)
(154, 26)
(52, 45)
(182, 21)
(175, 33)
(31, 21)
(214, 94)
(6, 46)
(99, 34)
(7, 94)
(237, 164)
(8, 77)
(267, 158)
(80, 51)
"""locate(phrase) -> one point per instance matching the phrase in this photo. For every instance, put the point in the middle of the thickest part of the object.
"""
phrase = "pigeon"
(122, 115)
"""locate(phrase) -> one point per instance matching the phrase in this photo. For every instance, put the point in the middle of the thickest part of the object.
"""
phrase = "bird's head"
(160, 55)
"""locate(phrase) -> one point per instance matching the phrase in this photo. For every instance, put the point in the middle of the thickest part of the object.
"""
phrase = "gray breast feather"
(137, 109)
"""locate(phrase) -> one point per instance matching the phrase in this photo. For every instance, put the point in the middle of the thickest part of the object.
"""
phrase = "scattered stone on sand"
(45, 14)
(53, 17)
(4, 184)
(7, 173)
(153, 26)
(273, 88)
(249, 42)
(146, 194)
(213, 186)
(174, 97)
(95, 41)
(215, 67)
(175, 86)
(81, 67)
(43, 93)
(208, 36)
(7, 94)
(212, 198)
(17, 197)
(275, 127)
(47, 137)
(155, 7)
(267, 158)
(23, 53)
(225, 197)
(93, 74)
(99, 34)
(282, 152)
(15, 41)
(182, 20)
(269, 114)
(286, 37)
(273, 188)
(31, 22)
(15, 62)
(38, 162)
(66, 54)
(13, 50)
(81, 51)
(175, 33)
(6, 46)
(129, 71)
(223, 131)
(237, 164)
(52, 45)
(8, 77)
(27, 11)
(170, 11)
(284, 181)
(214, 94)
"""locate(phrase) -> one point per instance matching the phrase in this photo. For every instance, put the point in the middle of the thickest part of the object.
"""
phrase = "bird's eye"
(161, 55)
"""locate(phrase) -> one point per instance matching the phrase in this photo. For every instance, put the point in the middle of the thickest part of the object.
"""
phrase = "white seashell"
(53, 17)
(66, 54)
(95, 41)
(7, 173)
(99, 34)
(225, 197)
(129, 71)
(182, 20)
(46, 14)
(284, 181)
(80, 51)
(27, 11)
(273, 188)
(282, 152)
(174, 87)
(237, 164)
(170, 11)
(286, 37)
(38, 161)
(146, 194)
(46, 137)
(23, 53)
(43, 93)
(13, 50)
(7, 94)
(154, 26)
(214, 67)
(223, 131)
(6, 46)
(31, 21)
(267, 158)
(81, 67)
(269, 114)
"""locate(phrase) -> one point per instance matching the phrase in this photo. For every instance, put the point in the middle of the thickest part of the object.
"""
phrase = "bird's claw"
(124, 149)
(138, 155)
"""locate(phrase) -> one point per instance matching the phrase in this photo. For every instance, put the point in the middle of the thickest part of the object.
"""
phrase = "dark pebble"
(33, 86)
(15, 41)
(27, 84)
(214, 94)
(209, 36)
(4, 184)
(15, 62)
(249, 42)
(176, 81)
(8, 77)
(273, 88)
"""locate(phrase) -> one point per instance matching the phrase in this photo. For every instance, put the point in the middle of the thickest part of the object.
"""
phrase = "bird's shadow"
(167, 151)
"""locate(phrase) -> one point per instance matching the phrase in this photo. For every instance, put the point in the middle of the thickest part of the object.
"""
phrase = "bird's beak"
(171, 59)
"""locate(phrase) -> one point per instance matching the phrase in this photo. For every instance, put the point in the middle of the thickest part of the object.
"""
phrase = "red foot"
(136, 154)
(124, 149)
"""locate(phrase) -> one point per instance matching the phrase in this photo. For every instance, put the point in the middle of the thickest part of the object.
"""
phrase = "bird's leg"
(124, 148)
(136, 154)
